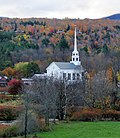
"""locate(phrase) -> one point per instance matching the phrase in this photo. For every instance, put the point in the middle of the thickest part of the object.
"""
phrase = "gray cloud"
(59, 8)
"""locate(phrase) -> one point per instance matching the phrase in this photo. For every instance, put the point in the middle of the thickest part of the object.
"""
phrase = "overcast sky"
(59, 8)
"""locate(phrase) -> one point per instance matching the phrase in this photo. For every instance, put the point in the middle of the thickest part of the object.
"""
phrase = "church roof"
(67, 65)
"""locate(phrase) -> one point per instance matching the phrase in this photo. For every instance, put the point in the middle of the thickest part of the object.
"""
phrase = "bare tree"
(28, 118)
(114, 57)
(101, 90)
(45, 97)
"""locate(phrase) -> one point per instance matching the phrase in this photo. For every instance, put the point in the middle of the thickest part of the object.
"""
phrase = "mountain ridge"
(113, 17)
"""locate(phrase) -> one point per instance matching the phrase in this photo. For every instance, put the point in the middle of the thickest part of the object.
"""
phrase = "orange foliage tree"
(9, 72)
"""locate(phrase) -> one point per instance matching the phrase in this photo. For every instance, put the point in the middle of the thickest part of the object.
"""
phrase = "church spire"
(75, 41)
(75, 53)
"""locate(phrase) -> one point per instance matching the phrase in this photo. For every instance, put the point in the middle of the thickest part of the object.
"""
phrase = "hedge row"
(5, 98)
(8, 131)
(95, 114)
(8, 113)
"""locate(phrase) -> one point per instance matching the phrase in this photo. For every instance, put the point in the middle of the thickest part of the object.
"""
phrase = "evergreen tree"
(63, 44)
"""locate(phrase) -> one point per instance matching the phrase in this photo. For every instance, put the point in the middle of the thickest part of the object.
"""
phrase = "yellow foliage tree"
(9, 72)
(118, 76)
(109, 73)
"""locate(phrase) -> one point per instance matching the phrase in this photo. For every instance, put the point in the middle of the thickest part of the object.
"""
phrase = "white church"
(70, 71)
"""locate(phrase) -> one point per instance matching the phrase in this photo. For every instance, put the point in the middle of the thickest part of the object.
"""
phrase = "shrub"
(95, 114)
(14, 86)
(8, 113)
(2, 129)
(5, 98)
(86, 115)
(4, 89)
(9, 131)
(111, 115)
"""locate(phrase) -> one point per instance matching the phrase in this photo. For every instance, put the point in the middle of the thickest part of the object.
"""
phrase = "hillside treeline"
(45, 40)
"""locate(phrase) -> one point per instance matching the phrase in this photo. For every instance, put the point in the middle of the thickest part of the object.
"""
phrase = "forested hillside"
(45, 40)
(28, 46)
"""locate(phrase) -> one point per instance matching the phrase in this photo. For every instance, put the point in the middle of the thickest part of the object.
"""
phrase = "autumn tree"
(14, 86)
(27, 68)
(101, 89)
(21, 67)
(9, 72)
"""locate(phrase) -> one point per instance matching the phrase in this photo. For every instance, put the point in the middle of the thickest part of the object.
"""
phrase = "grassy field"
(84, 130)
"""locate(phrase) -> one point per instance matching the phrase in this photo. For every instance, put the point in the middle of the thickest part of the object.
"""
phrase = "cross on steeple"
(75, 53)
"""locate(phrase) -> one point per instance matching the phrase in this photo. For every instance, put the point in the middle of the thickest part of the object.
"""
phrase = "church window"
(73, 54)
(64, 75)
(76, 54)
(69, 76)
(78, 76)
(76, 59)
(73, 76)
(73, 59)
(82, 73)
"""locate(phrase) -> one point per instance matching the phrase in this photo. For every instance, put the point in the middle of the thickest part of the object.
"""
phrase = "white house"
(70, 71)
(27, 81)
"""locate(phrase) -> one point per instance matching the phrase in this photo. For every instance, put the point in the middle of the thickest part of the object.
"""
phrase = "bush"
(5, 98)
(8, 113)
(111, 115)
(4, 89)
(15, 86)
(86, 115)
(95, 114)
(10, 131)
(2, 129)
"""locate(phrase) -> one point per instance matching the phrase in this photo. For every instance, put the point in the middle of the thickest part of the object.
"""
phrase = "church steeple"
(75, 53)
(75, 41)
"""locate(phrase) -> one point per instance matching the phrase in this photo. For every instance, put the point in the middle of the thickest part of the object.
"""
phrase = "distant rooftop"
(67, 65)
(39, 76)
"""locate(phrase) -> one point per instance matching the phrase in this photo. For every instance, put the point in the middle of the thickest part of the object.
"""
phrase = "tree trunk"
(26, 122)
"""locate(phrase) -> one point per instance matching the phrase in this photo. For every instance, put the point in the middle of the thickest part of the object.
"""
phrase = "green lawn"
(84, 130)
